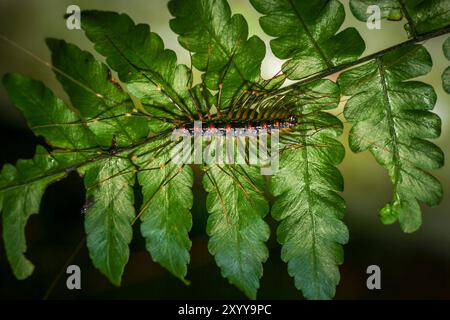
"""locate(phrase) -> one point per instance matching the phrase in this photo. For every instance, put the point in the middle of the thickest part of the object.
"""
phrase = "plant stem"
(325, 73)
(64, 268)
(408, 18)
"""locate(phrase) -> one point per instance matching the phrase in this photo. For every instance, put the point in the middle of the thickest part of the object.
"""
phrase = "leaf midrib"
(307, 179)
(391, 124)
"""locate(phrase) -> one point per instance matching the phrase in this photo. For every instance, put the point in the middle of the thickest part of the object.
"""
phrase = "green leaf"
(446, 79)
(109, 185)
(3, 184)
(150, 71)
(389, 9)
(165, 212)
(311, 231)
(318, 95)
(24, 185)
(446, 48)
(220, 44)
(21, 190)
(20, 197)
(236, 227)
(424, 15)
(428, 15)
(107, 110)
(391, 119)
(446, 74)
(306, 34)
(47, 115)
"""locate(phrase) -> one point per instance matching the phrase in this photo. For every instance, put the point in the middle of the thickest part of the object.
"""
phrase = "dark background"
(413, 266)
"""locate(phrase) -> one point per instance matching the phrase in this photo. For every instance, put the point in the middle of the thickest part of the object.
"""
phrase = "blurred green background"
(413, 266)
